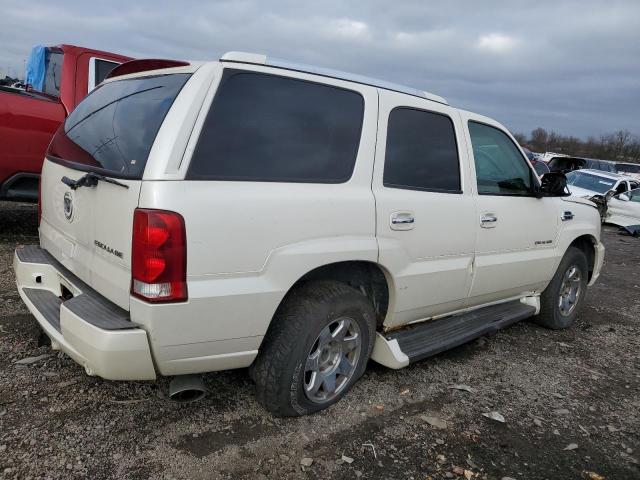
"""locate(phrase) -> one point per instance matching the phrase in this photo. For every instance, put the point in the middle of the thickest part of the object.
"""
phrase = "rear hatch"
(92, 177)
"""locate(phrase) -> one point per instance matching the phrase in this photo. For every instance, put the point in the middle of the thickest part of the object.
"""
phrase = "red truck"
(29, 118)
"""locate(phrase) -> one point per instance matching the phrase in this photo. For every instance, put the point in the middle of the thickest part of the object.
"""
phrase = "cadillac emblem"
(68, 205)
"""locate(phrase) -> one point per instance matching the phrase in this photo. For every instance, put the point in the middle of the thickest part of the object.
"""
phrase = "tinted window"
(103, 67)
(421, 152)
(269, 128)
(52, 73)
(500, 167)
(622, 187)
(114, 127)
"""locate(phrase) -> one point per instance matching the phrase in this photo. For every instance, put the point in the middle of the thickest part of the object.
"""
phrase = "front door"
(516, 232)
(425, 212)
(624, 209)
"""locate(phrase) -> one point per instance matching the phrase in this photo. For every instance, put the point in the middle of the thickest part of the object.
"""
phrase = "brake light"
(39, 200)
(159, 256)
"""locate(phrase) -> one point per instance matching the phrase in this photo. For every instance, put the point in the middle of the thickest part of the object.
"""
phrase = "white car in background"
(587, 183)
(629, 169)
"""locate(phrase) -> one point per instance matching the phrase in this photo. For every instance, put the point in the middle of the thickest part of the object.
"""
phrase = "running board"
(398, 348)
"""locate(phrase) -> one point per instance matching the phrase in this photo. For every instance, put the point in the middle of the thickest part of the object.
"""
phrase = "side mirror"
(554, 184)
(624, 197)
(609, 195)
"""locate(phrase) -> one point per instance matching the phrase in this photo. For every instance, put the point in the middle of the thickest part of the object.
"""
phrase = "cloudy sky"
(571, 66)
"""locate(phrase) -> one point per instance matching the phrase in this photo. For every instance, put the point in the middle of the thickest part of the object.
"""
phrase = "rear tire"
(316, 348)
(565, 295)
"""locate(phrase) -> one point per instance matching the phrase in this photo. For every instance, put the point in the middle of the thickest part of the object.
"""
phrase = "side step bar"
(398, 348)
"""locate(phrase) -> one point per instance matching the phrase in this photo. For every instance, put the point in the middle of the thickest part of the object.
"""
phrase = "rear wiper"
(91, 179)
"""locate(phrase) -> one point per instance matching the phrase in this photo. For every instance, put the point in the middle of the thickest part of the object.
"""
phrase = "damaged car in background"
(587, 183)
(624, 210)
(616, 196)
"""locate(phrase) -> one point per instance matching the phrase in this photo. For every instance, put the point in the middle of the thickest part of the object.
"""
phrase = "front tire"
(317, 347)
(565, 295)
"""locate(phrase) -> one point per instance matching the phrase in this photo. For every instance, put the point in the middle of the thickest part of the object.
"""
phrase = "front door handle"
(402, 221)
(488, 220)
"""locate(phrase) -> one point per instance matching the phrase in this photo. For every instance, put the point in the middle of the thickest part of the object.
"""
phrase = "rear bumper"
(93, 331)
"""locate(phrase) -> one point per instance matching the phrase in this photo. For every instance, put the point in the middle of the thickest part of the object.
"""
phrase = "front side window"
(500, 167)
(269, 128)
(421, 152)
(114, 127)
(634, 195)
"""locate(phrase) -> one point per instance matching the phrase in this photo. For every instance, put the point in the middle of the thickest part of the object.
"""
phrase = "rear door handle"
(402, 221)
(488, 220)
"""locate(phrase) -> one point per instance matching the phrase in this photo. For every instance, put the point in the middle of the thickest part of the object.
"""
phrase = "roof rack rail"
(259, 59)
(143, 65)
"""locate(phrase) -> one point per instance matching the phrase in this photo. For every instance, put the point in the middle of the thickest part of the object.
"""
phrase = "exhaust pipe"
(187, 388)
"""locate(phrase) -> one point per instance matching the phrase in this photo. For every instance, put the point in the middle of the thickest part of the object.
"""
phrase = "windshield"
(628, 168)
(594, 183)
(112, 129)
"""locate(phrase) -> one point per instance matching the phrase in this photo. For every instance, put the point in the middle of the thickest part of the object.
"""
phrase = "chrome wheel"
(332, 360)
(570, 290)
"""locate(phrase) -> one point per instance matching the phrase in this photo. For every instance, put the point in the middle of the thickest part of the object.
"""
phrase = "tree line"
(619, 146)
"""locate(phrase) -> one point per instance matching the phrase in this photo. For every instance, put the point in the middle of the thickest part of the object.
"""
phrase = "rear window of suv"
(113, 128)
(268, 128)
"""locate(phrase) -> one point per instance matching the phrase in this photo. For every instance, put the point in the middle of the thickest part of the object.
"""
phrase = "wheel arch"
(370, 278)
(587, 244)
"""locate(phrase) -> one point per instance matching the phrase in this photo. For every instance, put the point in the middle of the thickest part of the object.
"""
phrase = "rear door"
(516, 232)
(425, 212)
(89, 228)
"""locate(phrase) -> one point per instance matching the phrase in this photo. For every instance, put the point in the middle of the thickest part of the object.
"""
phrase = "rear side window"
(421, 152)
(500, 167)
(275, 129)
(113, 128)
(52, 73)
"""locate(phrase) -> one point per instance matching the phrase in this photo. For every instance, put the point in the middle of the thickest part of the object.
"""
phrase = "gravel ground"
(570, 401)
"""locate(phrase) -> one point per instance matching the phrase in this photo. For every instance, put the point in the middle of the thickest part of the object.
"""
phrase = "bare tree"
(539, 139)
(621, 145)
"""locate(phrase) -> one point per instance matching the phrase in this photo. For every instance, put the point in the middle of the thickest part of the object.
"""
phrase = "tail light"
(39, 200)
(159, 256)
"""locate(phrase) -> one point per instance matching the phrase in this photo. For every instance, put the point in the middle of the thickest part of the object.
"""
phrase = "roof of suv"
(259, 59)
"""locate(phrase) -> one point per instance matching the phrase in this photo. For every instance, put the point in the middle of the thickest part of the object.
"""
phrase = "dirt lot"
(570, 400)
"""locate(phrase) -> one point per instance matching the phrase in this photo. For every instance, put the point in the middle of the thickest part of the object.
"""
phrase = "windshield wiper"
(91, 179)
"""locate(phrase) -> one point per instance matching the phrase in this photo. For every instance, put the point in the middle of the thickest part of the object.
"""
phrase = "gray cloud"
(571, 66)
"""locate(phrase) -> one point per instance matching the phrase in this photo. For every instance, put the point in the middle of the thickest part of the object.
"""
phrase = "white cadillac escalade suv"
(249, 212)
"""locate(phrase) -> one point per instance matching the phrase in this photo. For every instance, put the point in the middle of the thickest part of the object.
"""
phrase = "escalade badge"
(68, 205)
